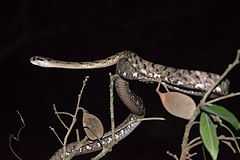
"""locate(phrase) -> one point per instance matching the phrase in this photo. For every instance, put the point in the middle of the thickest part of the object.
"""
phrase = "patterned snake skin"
(132, 67)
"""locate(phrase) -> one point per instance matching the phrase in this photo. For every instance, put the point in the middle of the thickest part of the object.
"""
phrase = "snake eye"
(35, 58)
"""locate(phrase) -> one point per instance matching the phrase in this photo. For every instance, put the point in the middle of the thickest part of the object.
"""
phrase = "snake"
(130, 66)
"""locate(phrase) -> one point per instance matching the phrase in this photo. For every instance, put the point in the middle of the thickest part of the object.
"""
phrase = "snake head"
(40, 61)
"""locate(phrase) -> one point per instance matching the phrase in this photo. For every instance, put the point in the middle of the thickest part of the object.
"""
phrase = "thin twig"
(16, 138)
(69, 129)
(223, 97)
(194, 145)
(172, 155)
(141, 120)
(66, 113)
(194, 140)
(204, 154)
(77, 134)
(191, 155)
(226, 141)
(112, 79)
(107, 149)
(197, 141)
(230, 146)
(233, 136)
(74, 119)
(53, 130)
(59, 118)
(148, 119)
(222, 137)
(229, 68)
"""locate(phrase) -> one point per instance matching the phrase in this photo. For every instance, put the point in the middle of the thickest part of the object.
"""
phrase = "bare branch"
(59, 139)
(105, 150)
(223, 97)
(59, 118)
(74, 119)
(16, 138)
(172, 155)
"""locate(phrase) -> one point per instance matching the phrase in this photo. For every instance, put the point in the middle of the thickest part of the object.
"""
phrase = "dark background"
(202, 35)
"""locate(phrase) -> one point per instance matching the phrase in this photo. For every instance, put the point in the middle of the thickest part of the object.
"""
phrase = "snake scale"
(132, 67)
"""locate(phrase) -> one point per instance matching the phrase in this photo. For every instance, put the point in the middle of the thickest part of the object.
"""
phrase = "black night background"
(201, 35)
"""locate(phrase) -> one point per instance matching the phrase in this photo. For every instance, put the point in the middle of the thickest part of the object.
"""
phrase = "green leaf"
(222, 113)
(209, 135)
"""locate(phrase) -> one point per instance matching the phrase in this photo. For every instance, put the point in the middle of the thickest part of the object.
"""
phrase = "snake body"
(132, 67)
(188, 81)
